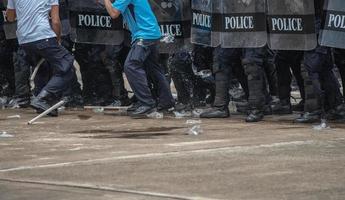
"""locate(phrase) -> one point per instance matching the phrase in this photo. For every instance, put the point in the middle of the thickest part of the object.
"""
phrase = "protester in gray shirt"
(39, 32)
(33, 19)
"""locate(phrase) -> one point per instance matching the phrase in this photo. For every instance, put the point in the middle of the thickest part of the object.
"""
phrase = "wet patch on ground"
(84, 117)
(144, 130)
(146, 133)
(131, 136)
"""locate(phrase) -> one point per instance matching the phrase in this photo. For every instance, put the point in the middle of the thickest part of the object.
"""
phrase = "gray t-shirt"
(33, 19)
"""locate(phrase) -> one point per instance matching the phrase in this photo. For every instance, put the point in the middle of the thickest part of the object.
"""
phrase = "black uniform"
(204, 85)
(6, 65)
(102, 70)
(254, 60)
(339, 58)
(287, 61)
(321, 86)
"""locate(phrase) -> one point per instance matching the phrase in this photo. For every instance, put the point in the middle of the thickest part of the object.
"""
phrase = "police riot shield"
(333, 32)
(91, 24)
(174, 22)
(243, 24)
(10, 28)
(64, 17)
(206, 22)
(291, 24)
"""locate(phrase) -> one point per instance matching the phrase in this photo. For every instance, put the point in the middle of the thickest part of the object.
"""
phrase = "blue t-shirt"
(139, 18)
(33, 19)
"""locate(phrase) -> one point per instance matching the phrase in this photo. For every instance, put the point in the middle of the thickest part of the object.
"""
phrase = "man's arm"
(55, 21)
(11, 11)
(114, 13)
(10, 15)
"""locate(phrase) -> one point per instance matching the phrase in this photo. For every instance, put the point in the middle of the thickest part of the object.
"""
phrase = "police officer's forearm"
(111, 11)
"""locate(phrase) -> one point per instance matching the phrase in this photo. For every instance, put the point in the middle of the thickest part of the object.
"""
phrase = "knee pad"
(256, 81)
(311, 98)
(253, 72)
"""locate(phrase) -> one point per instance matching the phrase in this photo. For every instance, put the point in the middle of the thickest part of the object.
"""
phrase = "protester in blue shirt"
(142, 60)
(39, 32)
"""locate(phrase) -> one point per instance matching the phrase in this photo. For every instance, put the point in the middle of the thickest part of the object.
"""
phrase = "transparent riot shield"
(90, 23)
(173, 22)
(333, 32)
(206, 22)
(243, 24)
(291, 24)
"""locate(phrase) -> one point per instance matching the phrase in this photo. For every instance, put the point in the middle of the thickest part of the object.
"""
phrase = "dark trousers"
(7, 80)
(111, 59)
(287, 61)
(21, 73)
(271, 72)
(45, 72)
(202, 58)
(320, 82)
(142, 62)
(253, 63)
(60, 60)
(224, 63)
(101, 67)
(339, 57)
(180, 67)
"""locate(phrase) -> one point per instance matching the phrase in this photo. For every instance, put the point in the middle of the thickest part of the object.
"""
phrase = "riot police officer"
(321, 86)
(253, 64)
(225, 61)
(6, 64)
(287, 61)
(192, 76)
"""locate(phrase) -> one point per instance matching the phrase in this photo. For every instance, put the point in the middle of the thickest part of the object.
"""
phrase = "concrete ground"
(84, 155)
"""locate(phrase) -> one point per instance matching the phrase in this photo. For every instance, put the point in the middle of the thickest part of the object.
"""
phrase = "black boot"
(255, 116)
(298, 107)
(19, 102)
(242, 106)
(121, 102)
(309, 117)
(216, 112)
(183, 107)
(133, 107)
(282, 108)
(168, 109)
(337, 113)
